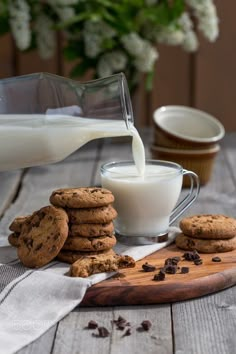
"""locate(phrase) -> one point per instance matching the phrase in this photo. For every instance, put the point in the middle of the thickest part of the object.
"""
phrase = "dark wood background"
(205, 80)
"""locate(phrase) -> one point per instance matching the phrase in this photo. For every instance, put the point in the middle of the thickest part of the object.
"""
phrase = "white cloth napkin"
(32, 301)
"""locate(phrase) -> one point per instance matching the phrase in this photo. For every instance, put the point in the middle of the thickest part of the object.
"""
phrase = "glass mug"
(45, 117)
(147, 205)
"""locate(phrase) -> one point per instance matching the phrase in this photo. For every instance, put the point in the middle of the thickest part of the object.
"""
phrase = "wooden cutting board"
(136, 287)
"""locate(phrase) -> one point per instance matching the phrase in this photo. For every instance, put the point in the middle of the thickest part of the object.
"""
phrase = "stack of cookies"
(77, 229)
(207, 233)
(91, 215)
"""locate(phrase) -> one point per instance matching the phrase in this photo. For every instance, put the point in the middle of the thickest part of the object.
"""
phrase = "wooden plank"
(72, 337)
(42, 345)
(6, 53)
(172, 82)
(31, 63)
(215, 70)
(9, 183)
(205, 325)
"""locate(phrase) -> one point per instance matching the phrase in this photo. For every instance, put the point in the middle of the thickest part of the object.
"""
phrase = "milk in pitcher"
(37, 139)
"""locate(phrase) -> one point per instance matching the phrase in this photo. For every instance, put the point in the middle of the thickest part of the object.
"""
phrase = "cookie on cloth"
(73, 256)
(209, 226)
(89, 243)
(104, 214)
(43, 236)
(84, 197)
(91, 230)
(190, 243)
(87, 266)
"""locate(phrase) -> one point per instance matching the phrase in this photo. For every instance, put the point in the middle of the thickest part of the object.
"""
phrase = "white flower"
(65, 13)
(93, 44)
(45, 36)
(185, 22)
(111, 62)
(133, 43)
(20, 23)
(190, 43)
(103, 67)
(205, 12)
(170, 35)
(145, 62)
(100, 28)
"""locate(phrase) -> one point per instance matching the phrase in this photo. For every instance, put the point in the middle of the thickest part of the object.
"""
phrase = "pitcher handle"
(189, 198)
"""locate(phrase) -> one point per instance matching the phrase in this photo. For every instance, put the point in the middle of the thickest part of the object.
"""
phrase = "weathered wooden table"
(203, 325)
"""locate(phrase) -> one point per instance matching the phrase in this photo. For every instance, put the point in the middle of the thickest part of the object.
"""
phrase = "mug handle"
(190, 197)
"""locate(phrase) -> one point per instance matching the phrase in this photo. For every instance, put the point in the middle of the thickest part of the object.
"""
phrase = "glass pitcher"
(45, 117)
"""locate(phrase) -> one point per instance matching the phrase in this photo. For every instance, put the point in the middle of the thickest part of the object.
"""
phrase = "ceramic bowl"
(188, 126)
(199, 161)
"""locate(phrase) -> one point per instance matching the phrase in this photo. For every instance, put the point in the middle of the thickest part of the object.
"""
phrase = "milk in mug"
(144, 203)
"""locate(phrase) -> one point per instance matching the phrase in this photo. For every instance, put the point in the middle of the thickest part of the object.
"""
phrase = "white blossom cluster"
(94, 34)
(19, 12)
(141, 49)
(45, 36)
(111, 62)
(99, 38)
(205, 12)
(179, 33)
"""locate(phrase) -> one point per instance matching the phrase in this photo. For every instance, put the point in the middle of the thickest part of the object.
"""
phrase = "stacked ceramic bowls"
(187, 136)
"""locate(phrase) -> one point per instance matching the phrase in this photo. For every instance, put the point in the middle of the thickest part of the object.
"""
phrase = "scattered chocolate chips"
(148, 267)
(184, 270)
(160, 276)
(92, 325)
(216, 259)
(146, 325)
(121, 323)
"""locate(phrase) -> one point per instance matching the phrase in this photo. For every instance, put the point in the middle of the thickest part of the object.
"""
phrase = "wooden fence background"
(205, 80)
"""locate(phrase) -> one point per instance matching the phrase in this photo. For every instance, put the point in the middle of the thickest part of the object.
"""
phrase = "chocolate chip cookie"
(13, 239)
(190, 243)
(86, 266)
(92, 230)
(212, 226)
(42, 236)
(84, 197)
(17, 223)
(89, 243)
(73, 256)
(104, 214)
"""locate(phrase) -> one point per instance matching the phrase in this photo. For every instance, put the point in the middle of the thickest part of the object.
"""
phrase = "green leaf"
(80, 69)
(149, 80)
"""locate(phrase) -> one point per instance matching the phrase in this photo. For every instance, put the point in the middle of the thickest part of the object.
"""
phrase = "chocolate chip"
(102, 332)
(148, 267)
(170, 269)
(146, 325)
(191, 255)
(197, 261)
(184, 270)
(216, 259)
(92, 325)
(159, 276)
(127, 332)
(172, 261)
